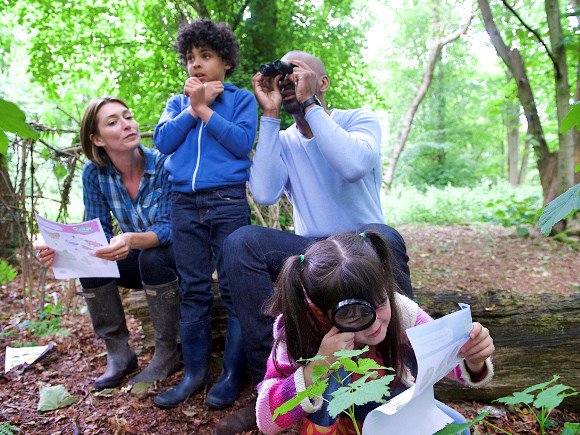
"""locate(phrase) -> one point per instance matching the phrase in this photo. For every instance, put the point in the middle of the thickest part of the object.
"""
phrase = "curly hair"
(205, 33)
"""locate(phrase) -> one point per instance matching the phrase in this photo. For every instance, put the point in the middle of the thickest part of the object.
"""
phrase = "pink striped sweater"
(277, 388)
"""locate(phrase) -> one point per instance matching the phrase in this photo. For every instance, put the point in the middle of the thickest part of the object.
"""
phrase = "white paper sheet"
(20, 355)
(75, 245)
(436, 345)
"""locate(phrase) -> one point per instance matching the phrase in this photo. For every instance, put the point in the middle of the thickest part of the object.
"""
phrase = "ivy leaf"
(571, 428)
(559, 208)
(515, 398)
(552, 397)
(571, 119)
(452, 429)
(350, 353)
(54, 398)
(12, 119)
(359, 392)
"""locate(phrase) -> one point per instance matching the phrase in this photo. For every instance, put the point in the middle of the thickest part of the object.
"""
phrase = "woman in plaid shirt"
(127, 181)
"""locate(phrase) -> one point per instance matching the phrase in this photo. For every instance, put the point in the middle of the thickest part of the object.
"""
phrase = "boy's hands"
(212, 90)
(477, 349)
(332, 342)
(267, 92)
(201, 96)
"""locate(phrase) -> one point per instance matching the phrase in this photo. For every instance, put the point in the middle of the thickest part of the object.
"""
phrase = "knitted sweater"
(277, 388)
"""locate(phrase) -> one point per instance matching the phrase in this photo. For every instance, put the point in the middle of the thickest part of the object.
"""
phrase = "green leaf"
(7, 272)
(314, 390)
(140, 388)
(366, 364)
(12, 119)
(359, 392)
(559, 208)
(314, 358)
(571, 119)
(54, 398)
(571, 428)
(350, 353)
(3, 143)
(542, 385)
(349, 365)
(519, 397)
(59, 171)
(318, 371)
(552, 397)
(452, 429)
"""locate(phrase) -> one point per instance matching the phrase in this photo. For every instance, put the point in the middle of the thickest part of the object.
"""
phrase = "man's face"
(287, 88)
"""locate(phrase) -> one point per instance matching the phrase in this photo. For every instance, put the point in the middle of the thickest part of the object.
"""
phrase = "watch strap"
(312, 100)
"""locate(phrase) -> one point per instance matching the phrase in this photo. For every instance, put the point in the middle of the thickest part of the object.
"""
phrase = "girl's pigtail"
(381, 247)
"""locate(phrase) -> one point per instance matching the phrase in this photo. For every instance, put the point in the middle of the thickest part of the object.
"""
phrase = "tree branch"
(240, 15)
(538, 37)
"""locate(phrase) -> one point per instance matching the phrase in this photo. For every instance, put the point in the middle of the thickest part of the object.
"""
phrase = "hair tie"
(301, 258)
(362, 235)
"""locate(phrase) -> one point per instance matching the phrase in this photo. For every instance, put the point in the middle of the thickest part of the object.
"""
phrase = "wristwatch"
(312, 100)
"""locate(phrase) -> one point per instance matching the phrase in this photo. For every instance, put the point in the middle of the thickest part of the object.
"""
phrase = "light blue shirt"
(333, 180)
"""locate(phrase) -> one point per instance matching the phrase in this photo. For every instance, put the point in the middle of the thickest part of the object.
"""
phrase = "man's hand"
(477, 349)
(267, 92)
(118, 249)
(304, 79)
(212, 90)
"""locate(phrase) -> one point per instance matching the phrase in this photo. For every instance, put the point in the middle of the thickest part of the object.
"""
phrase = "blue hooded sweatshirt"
(204, 156)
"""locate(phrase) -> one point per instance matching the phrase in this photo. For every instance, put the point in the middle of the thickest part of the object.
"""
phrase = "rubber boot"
(228, 387)
(164, 310)
(241, 421)
(108, 319)
(195, 347)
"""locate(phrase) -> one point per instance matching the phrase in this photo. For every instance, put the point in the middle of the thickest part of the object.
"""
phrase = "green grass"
(496, 203)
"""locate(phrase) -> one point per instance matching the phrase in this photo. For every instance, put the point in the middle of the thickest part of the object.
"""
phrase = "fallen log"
(535, 336)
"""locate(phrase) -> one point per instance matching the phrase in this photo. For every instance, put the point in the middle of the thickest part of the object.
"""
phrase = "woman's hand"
(267, 92)
(46, 255)
(332, 342)
(118, 249)
(477, 349)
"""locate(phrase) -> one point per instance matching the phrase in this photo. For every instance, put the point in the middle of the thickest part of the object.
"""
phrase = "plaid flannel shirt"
(104, 193)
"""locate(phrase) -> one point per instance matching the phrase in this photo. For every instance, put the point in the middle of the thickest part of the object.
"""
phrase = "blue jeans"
(254, 256)
(200, 222)
(154, 266)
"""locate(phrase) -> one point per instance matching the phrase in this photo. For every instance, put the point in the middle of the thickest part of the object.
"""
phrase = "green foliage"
(13, 120)
(542, 397)
(56, 397)
(436, 164)
(572, 118)
(48, 327)
(560, 208)
(462, 205)
(7, 272)
(348, 395)
(571, 428)
(7, 429)
(452, 429)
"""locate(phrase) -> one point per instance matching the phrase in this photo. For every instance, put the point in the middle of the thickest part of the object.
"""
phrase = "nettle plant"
(368, 388)
(540, 399)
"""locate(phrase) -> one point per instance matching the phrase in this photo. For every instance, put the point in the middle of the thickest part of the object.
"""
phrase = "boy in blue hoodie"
(208, 133)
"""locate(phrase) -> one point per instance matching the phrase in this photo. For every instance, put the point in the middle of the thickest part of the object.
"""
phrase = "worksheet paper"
(414, 412)
(75, 246)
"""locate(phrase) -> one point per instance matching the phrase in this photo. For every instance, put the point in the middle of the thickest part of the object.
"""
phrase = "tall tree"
(547, 161)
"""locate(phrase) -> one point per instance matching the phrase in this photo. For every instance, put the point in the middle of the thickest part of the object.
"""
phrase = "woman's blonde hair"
(90, 126)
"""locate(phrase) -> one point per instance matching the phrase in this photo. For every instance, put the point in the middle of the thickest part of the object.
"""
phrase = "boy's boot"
(227, 388)
(108, 319)
(164, 310)
(195, 347)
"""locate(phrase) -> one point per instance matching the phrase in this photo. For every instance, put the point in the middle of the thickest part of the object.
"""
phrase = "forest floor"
(459, 257)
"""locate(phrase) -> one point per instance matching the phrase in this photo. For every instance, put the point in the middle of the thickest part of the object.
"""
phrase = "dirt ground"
(460, 257)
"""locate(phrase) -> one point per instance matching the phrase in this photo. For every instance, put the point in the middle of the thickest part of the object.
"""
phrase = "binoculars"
(278, 67)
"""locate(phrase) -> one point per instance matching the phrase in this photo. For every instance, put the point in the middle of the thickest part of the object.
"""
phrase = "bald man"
(328, 164)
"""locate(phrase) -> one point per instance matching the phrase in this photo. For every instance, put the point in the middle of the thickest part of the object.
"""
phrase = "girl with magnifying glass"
(340, 294)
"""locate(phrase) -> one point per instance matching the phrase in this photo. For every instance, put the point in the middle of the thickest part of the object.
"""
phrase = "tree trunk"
(513, 140)
(547, 161)
(434, 56)
(524, 163)
(576, 131)
(535, 337)
(566, 140)
(9, 212)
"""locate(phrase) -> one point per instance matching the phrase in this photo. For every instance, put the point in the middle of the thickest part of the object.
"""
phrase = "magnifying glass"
(353, 315)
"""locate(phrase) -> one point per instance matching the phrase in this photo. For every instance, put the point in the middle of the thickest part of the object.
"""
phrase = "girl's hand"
(332, 342)
(267, 92)
(212, 90)
(46, 255)
(477, 349)
(118, 249)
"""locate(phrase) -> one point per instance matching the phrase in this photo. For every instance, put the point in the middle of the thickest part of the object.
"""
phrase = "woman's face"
(377, 332)
(117, 129)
